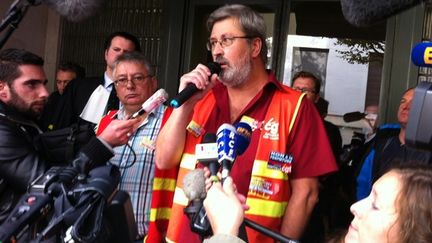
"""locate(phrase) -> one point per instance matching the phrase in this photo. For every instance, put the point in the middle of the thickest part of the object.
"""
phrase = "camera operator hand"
(225, 208)
(118, 131)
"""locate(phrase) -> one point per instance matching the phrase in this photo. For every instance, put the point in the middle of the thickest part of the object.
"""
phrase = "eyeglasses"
(225, 41)
(304, 90)
(135, 80)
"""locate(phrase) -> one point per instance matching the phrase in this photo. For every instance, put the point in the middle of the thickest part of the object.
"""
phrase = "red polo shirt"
(308, 142)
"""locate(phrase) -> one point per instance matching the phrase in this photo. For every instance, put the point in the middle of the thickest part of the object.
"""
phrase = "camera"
(65, 204)
(353, 150)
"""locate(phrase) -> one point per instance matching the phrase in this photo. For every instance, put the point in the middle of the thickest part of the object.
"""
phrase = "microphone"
(226, 136)
(73, 10)
(353, 116)
(421, 54)
(207, 154)
(362, 13)
(157, 99)
(244, 133)
(194, 185)
(191, 88)
(195, 190)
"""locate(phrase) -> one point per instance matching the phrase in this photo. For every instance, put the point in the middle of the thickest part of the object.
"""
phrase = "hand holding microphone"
(196, 80)
(225, 208)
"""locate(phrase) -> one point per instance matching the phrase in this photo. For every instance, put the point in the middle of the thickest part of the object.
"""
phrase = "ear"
(106, 54)
(317, 98)
(153, 83)
(256, 47)
(4, 91)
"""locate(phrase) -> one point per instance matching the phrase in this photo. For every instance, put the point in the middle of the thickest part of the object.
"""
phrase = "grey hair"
(251, 22)
(136, 57)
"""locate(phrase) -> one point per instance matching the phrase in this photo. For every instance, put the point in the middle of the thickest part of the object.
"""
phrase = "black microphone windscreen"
(194, 185)
(209, 138)
(353, 116)
(75, 10)
(363, 13)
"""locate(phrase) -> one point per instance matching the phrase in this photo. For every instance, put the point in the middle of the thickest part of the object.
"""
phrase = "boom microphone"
(353, 116)
(73, 10)
(362, 13)
(191, 88)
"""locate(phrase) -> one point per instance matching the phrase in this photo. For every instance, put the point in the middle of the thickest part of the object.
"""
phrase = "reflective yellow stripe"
(168, 240)
(159, 213)
(188, 161)
(266, 208)
(180, 197)
(164, 184)
(260, 169)
(293, 118)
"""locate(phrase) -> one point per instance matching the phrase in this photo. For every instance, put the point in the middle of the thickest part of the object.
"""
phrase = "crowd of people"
(290, 179)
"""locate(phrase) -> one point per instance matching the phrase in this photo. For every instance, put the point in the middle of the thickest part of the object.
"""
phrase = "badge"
(195, 129)
(280, 161)
(262, 188)
(147, 143)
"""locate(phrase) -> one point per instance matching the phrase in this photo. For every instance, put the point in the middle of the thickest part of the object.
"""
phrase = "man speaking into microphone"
(286, 130)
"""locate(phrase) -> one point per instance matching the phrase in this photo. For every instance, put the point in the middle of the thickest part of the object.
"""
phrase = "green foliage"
(361, 51)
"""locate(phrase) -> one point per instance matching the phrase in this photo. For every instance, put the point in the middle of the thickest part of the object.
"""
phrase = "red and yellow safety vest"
(269, 189)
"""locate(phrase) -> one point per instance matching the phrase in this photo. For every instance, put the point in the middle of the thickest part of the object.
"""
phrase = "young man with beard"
(288, 151)
(22, 98)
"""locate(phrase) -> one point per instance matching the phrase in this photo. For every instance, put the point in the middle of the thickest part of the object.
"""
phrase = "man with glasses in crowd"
(135, 83)
(80, 91)
(329, 199)
(288, 149)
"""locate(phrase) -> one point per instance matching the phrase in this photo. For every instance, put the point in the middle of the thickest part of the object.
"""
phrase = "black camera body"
(88, 207)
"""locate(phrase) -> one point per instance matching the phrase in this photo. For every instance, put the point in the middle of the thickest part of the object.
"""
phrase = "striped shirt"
(137, 179)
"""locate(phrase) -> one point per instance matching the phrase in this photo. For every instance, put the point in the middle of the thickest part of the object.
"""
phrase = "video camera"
(65, 204)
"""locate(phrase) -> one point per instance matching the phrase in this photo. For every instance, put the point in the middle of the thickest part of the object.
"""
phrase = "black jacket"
(21, 161)
(74, 99)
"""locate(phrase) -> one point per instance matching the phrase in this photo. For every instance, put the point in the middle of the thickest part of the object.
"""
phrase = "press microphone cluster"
(191, 88)
(195, 190)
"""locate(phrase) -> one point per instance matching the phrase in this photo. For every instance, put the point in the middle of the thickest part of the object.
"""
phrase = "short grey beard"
(237, 75)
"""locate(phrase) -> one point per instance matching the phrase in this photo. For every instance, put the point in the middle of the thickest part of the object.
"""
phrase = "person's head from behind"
(308, 83)
(397, 210)
(118, 43)
(134, 80)
(237, 41)
(405, 106)
(22, 82)
(66, 72)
